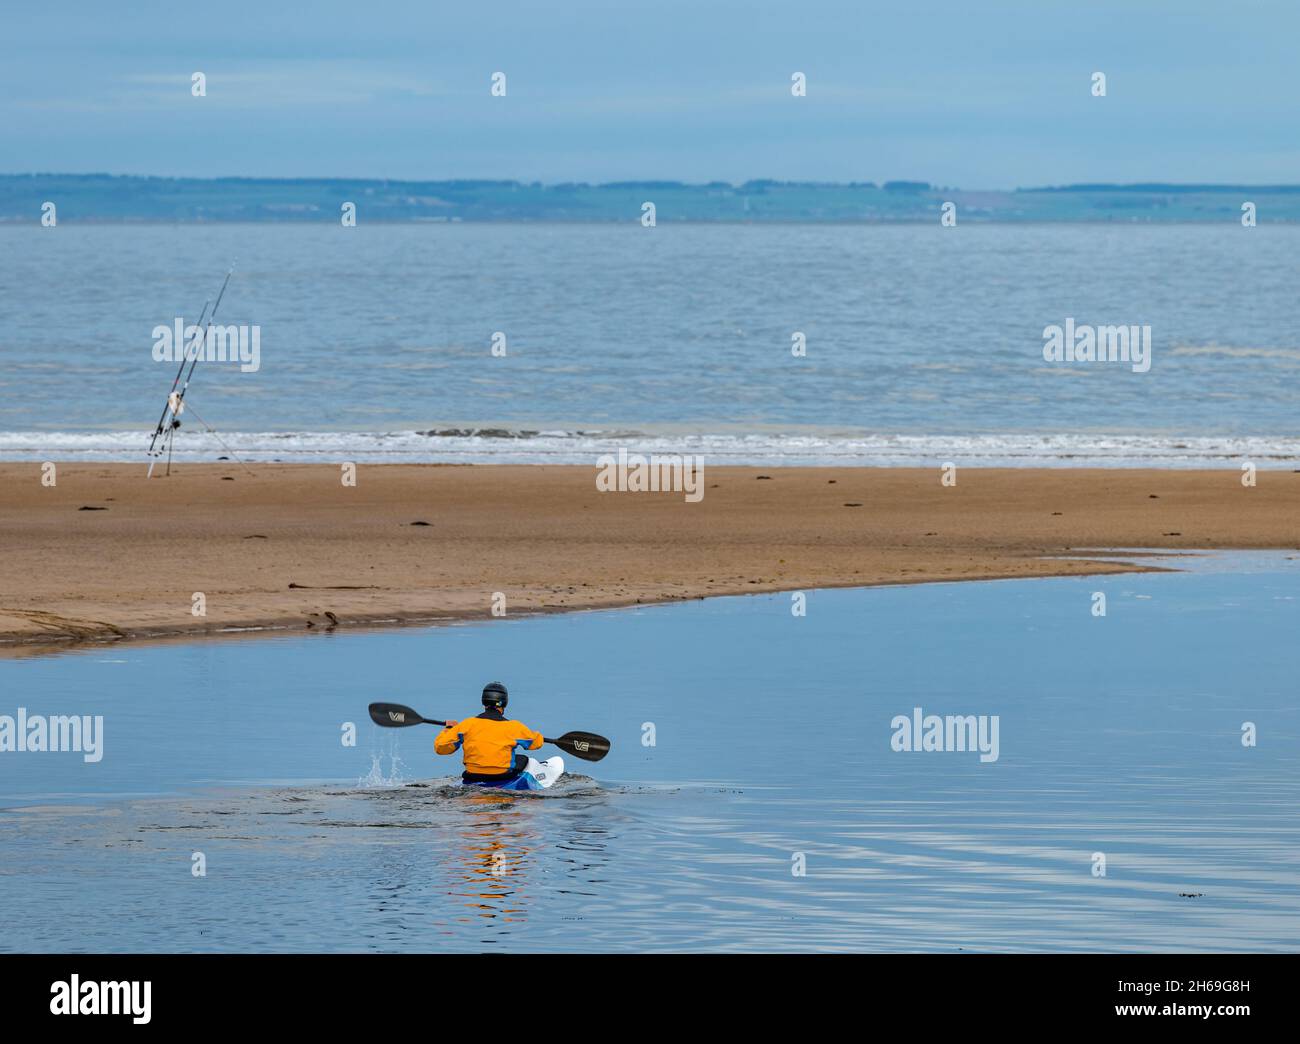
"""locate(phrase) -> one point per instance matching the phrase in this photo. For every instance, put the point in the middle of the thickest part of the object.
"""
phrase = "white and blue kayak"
(537, 775)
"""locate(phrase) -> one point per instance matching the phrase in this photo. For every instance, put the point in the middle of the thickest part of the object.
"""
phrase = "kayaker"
(490, 742)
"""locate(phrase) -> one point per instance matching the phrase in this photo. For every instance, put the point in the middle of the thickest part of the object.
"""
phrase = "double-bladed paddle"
(585, 745)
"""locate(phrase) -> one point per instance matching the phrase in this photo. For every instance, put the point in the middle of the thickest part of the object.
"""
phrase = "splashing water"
(396, 767)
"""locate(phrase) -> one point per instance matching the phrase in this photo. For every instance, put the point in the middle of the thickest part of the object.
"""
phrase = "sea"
(1131, 786)
(748, 344)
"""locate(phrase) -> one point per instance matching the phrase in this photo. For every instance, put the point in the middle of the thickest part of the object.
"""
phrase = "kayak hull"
(537, 776)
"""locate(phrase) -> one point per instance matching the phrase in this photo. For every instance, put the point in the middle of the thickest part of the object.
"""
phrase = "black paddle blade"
(585, 745)
(395, 716)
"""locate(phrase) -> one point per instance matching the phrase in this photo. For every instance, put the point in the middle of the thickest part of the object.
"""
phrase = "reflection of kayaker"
(492, 746)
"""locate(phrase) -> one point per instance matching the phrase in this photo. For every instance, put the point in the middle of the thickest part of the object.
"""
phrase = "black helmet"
(495, 695)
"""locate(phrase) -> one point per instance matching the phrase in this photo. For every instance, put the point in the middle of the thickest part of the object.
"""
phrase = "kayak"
(538, 775)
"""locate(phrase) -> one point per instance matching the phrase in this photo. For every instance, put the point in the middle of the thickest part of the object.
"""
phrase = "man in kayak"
(491, 743)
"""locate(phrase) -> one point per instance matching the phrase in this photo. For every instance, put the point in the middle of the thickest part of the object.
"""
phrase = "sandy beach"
(107, 555)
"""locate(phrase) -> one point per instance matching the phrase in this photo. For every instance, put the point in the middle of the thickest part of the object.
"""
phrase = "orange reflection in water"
(490, 870)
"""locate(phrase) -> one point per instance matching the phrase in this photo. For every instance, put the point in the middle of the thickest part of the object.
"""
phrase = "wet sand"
(107, 555)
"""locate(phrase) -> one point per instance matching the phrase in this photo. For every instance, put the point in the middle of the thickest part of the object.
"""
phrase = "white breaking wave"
(765, 449)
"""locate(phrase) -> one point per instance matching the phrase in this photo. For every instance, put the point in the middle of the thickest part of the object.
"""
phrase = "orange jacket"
(488, 742)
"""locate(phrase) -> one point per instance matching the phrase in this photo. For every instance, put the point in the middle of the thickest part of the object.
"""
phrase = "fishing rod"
(170, 419)
(585, 745)
(167, 405)
(180, 401)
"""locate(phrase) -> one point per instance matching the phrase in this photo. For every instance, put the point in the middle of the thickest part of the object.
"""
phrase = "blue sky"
(976, 95)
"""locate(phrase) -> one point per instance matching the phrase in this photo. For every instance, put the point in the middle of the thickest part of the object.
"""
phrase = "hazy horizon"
(935, 92)
(757, 179)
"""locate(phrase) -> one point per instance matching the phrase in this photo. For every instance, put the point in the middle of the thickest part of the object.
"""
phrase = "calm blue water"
(921, 341)
(772, 739)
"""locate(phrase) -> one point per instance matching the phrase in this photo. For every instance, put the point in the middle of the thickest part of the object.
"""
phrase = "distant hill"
(108, 198)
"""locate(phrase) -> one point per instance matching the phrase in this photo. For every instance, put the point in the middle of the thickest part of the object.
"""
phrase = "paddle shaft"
(449, 724)
(585, 745)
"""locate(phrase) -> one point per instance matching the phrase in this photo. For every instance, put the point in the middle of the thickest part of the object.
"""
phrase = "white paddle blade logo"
(581, 745)
(397, 716)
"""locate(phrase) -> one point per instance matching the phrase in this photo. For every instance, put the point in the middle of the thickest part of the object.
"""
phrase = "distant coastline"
(105, 198)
